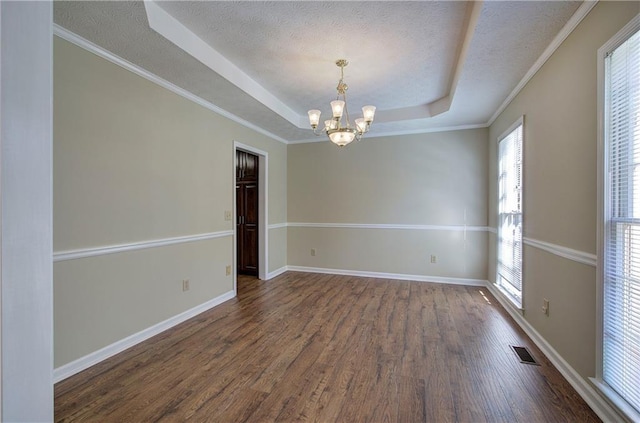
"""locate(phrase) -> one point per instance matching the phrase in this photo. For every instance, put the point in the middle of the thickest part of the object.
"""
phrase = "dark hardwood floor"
(324, 348)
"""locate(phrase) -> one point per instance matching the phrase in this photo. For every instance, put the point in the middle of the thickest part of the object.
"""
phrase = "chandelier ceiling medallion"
(338, 132)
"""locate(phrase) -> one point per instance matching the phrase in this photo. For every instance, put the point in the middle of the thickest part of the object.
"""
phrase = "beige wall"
(560, 186)
(134, 162)
(101, 300)
(428, 179)
(278, 255)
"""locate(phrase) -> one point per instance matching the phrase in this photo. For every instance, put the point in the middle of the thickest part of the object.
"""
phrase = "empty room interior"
(204, 220)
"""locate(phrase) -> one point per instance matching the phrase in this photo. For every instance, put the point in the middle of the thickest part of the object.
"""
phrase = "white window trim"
(519, 308)
(619, 403)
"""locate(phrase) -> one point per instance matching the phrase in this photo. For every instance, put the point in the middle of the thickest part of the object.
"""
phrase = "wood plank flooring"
(326, 348)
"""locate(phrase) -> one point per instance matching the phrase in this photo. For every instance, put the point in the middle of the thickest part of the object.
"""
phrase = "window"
(620, 273)
(509, 266)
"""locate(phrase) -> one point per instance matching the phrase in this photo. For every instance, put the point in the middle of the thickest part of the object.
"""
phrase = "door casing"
(263, 230)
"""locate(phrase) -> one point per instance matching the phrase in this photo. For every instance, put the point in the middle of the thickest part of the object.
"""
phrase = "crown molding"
(568, 28)
(73, 38)
(173, 30)
(399, 133)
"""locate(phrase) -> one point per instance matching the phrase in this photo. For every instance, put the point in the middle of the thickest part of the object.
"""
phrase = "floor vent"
(524, 355)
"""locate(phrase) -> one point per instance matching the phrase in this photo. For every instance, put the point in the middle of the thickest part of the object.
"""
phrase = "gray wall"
(25, 136)
(436, 179)
(560, 186)
(134, 162)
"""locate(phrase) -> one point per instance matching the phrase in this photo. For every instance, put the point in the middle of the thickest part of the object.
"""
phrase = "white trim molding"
(374, 134)
(102, 354)
(173, 30)
(558, 250)
(616, 399)
(278, 225)
(397, 276)
(505, 300)
(571, 24)
(389, 226)
(603, 215)
(584, 389)
(564, 252)
(263, 208)
(73, 38)
(134, 246)
(282, 109)
(277, 272)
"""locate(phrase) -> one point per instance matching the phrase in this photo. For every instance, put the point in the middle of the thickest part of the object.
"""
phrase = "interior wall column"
(26, 210)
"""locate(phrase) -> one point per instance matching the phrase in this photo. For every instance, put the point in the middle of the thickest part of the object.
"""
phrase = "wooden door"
(246, 167)
(247, 213)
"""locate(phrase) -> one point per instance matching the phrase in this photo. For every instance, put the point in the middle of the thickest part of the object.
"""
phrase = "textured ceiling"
(290, 47)
(425, 65)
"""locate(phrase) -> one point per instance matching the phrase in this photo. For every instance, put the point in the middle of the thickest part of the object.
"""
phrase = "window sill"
(620, 405)
(509, 300)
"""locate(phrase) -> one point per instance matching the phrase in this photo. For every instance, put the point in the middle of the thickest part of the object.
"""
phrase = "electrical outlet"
(228, 270)
(545, 306)
(227, 215)
(434, 259)
(313, 252)
(185, 285)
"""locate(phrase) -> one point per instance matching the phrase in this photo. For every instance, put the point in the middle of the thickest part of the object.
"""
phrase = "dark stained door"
(247, 212)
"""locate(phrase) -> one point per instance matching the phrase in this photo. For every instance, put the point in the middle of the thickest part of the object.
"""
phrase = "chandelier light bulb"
(330, 124)
(361, 125)
(368, 112)
(337, 107)
(314, 118)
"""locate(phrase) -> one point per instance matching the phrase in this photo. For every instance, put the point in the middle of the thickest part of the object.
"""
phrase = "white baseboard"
(598, 404)
(95, 357)
(400, 276)
(276, 272)
(584, 389)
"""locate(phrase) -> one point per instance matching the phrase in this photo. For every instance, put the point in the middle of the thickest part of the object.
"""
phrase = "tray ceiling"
(426, 65)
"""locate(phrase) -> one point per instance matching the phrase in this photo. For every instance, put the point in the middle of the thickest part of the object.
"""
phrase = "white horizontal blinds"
(510, 214)
(621, 337)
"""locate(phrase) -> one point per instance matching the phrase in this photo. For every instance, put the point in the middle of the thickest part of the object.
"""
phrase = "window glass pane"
(621, 309)
(509, 266)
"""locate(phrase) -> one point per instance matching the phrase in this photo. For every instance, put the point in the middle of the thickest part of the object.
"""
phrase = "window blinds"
(621, 311)
(510, 214)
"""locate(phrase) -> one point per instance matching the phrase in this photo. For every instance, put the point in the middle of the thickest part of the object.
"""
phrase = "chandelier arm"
(333, 128)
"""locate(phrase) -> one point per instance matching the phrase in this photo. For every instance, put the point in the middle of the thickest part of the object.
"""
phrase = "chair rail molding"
(133, 246)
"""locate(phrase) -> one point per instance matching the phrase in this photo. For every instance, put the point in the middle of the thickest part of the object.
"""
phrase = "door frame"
(263, 249)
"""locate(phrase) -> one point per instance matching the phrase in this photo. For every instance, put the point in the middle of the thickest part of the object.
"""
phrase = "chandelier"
(338, 132)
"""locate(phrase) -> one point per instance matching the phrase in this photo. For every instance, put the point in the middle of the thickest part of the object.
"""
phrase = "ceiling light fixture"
(339, 133)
